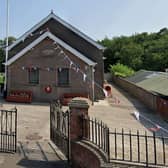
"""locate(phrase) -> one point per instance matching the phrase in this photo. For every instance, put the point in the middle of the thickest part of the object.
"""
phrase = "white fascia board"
(55, 39)
(52, 15)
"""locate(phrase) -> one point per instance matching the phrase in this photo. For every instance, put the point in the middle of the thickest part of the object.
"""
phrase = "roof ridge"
(64, 23)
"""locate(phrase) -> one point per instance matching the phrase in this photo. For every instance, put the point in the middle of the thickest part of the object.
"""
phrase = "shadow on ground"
(37, 156)
(34, 155)
(149, 118)
(42, 164)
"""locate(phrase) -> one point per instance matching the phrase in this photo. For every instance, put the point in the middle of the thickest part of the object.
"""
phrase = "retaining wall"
(150, 99)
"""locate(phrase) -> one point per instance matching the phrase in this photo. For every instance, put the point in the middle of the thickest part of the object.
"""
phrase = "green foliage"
(11, 39)
(2, 78)
(139, 51)
(121, 70)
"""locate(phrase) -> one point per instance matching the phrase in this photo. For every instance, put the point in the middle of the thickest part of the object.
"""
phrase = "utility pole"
(93, 84)
(7, 43)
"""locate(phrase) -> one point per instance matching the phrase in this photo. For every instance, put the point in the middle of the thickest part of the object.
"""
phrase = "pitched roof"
(151, 80)
(55, 39)
(67, 25)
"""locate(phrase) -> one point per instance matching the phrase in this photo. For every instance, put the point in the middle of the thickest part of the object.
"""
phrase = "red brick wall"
(18, 78)
(162, 107)
(151, 100)
(82, 154)
(146, 97)
(83, 158)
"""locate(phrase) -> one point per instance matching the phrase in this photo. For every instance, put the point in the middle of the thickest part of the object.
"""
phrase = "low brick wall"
(83, 154)
(146, 97)
(162, 107)
(152, 101)
(83, 157)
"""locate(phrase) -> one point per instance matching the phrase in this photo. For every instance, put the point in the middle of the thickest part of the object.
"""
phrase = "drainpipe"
(93, 85)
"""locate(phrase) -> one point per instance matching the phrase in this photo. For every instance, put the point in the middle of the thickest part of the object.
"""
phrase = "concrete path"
(118, 112)
(35, 150)
(34, 155)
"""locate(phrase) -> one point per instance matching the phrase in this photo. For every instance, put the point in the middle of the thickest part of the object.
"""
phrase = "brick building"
(54, 54)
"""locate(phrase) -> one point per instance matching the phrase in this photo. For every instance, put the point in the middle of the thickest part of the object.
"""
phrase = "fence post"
(78, 111)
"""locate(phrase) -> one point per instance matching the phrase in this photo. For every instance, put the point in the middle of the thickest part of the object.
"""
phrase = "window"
(34, 76)
(63, 76)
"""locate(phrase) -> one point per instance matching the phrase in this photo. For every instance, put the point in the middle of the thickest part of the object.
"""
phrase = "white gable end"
(55, 39)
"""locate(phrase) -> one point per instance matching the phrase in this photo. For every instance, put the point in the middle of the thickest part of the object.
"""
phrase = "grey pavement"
(118, 112)
(35, 150)
(34, 155)
(34, 146)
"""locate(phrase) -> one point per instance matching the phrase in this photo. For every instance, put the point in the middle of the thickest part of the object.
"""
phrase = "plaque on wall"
(47, 52)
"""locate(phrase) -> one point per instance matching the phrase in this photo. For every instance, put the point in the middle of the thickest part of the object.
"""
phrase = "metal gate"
(8, 130)
(59, 128)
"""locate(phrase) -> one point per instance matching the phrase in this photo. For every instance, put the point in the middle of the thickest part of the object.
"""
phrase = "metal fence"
(127, 147)
(96, 132)
(138, 148)
(59, 128)
(8, 130)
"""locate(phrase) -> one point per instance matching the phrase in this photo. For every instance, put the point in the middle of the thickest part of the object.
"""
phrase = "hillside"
(140, 51)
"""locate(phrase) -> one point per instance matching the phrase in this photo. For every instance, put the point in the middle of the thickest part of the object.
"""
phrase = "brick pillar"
(78, 109)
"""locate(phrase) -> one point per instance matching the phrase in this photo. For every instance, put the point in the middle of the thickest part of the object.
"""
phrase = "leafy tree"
(121, 70)
(139, 51)
(131, 55)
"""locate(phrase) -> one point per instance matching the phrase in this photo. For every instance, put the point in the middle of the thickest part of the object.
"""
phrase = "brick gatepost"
(81, 155)
(78, 110)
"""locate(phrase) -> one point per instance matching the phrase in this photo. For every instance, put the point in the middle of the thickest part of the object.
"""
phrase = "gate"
(59, 128)
(8, 130)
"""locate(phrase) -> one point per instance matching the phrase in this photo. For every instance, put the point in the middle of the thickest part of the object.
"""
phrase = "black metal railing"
(138, 148)
(96, 132)
(59, 128)
(126, 147)
(8, 130)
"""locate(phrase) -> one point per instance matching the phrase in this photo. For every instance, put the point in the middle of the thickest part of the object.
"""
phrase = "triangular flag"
(158, 127)
(71, 63)
(41, 31)
(84, 77)
(77, 70)
(136, 114)
(105, 93)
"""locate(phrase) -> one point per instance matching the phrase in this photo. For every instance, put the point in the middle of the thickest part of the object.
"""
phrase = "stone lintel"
(79, 104)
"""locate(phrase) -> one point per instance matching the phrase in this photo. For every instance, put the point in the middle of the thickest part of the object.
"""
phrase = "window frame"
(67, 78)
(31, 81)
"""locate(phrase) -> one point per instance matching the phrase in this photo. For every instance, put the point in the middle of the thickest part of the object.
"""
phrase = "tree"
(140, 51)
(131, 55)
(121, 70)
(11, 39)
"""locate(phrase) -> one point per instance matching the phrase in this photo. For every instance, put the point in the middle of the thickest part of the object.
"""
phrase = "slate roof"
(151, 80)
(63, 31)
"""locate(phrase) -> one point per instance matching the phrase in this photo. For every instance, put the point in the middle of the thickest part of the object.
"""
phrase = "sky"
(96, 18)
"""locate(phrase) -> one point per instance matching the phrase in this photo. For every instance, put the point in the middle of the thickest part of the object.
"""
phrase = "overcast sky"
(96, 18)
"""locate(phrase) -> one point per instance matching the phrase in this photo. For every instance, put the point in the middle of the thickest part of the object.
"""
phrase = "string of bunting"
(36, 33)
(72, 65)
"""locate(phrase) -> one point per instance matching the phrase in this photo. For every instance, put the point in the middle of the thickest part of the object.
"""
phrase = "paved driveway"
(35, 150)
(117, 112)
